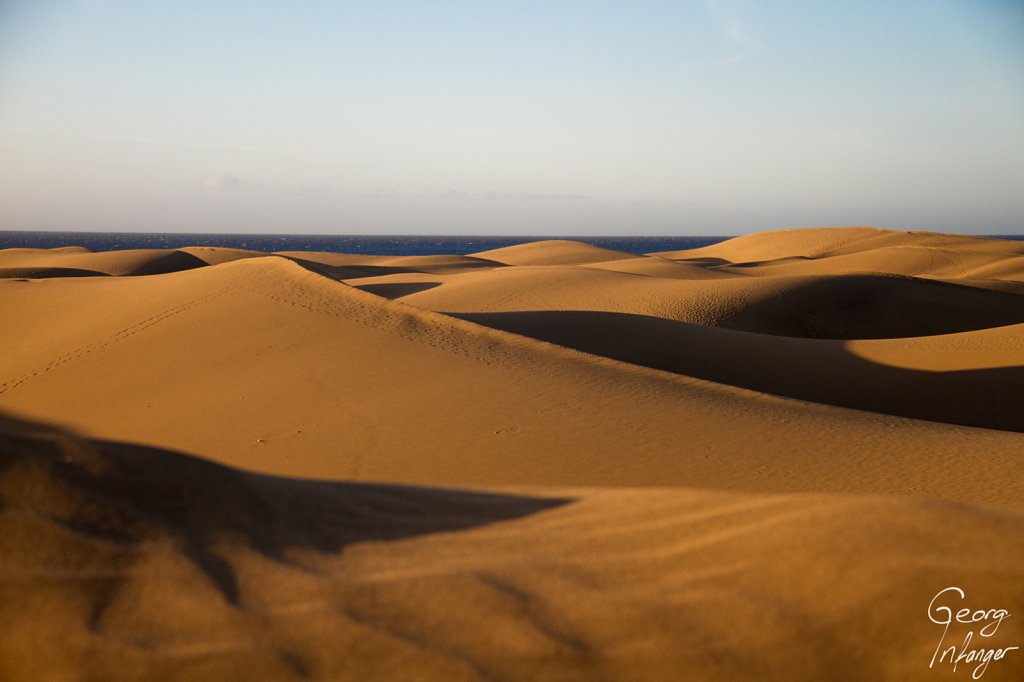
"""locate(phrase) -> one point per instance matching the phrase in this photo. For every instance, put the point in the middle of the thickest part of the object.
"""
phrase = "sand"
(757, 460)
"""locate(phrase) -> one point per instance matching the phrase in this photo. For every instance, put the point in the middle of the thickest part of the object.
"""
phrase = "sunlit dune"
(756, 460)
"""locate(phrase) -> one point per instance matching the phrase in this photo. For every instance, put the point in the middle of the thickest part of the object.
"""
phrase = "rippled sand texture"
(755, 460)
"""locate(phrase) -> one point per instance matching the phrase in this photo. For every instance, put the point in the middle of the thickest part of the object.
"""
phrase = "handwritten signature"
(985, 622)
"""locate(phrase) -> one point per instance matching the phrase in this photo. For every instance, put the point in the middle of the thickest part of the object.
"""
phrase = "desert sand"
(759, 460)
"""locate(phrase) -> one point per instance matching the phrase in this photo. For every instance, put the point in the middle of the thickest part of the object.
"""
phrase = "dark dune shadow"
(709, 263)
(172, 261)
(871, 305)
(771, 261)
(156, 264)
(358, 270)
(877, 307)
(397, 289)
(822, 371)
(47, 273)
(337, 272)
(129, 494)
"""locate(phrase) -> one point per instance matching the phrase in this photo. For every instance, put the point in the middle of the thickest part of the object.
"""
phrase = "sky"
(547, 117)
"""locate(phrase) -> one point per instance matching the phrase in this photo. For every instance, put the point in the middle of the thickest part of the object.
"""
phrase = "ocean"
(389, 245)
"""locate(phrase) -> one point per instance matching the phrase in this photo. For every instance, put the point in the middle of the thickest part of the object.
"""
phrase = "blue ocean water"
(390, 245)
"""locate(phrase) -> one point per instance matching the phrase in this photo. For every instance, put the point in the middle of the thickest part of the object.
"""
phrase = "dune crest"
(553, 252)
(757, 460)
(140, 564)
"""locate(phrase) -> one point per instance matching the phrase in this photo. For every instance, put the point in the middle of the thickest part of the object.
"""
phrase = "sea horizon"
(381, 244)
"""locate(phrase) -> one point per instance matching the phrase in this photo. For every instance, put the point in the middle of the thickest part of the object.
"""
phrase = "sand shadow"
(129, 494)
(868, 306)
(708, 263)
(339, 272)
(359, 270)
(395, 290)
(25, 274)
(890, 306)
(821, 371)
(172, 261)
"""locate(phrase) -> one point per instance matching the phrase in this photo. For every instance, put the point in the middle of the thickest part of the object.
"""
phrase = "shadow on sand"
(817, 370)
(128, 494)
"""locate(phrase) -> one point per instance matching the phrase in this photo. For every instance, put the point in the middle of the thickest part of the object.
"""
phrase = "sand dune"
(838, 251)
(383, 264)
(817, 243)
(124, 263)
(806, 243)
(214, 255)
(838, 307)
(911, 261)
(553, 252)
(543, 462)
(971, 378)
(263, 364)
(43, 272)
(655, 266)
(135, 563)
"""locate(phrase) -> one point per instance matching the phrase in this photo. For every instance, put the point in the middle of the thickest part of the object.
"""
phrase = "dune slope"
(140, 564)
(263, 364)
(970, 378)
(755, 461)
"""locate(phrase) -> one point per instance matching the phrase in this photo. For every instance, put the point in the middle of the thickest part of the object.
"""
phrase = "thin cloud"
(487, 195)
(304, 190)
(727, 18)
(230, 183)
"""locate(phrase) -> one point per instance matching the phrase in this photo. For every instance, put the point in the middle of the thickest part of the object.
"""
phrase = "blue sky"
(555, 117)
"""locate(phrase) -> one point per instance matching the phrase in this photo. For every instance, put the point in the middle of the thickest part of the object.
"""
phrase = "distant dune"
(756, 460)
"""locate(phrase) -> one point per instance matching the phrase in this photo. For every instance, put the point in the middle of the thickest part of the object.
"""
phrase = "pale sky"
(567, 117)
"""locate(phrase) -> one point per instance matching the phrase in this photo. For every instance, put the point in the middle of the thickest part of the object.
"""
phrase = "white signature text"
(947, 608)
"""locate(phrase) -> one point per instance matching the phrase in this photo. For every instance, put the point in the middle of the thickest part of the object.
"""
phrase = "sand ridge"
(757, 460)
(150, 564)
(378, 372)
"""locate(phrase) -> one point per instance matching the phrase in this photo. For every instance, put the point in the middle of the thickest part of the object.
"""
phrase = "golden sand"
(757, 460)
